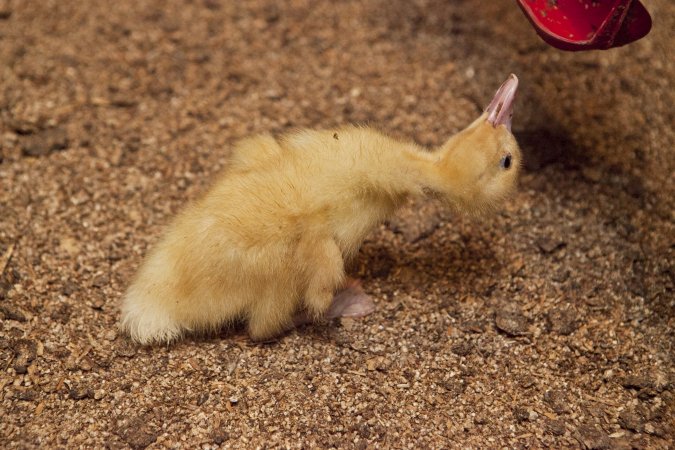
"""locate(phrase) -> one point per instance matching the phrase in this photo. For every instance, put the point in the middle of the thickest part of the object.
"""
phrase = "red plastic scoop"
(588, 24)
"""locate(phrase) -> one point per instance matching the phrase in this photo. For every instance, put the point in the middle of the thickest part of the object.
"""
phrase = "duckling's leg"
(325, 269)
(271, 315)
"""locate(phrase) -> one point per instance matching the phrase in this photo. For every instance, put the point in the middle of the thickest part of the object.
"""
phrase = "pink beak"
(500, 109)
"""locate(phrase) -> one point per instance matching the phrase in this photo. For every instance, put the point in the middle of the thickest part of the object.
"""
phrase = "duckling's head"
(479, 165)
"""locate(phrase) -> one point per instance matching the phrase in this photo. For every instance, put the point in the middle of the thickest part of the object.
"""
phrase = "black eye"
(505, 162)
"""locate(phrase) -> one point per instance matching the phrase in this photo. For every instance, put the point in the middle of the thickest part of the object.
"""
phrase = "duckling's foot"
(351, 301)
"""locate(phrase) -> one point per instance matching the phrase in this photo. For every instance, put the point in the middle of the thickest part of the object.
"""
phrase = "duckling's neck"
(420, 172)
(385, 175)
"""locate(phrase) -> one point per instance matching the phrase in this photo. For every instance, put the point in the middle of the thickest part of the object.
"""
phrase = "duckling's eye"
(505, 162)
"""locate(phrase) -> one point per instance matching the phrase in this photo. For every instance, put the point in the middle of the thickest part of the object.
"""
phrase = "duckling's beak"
(500, 109)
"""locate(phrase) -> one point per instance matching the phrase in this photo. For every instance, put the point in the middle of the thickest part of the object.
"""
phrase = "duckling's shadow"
(236, 333)
(575, 167)
(444, 266)
(546, 145)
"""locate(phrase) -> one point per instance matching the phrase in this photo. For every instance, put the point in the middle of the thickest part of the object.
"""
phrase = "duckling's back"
(251, 235)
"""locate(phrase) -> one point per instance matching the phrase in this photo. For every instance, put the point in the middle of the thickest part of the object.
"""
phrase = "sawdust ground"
(548, 325)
